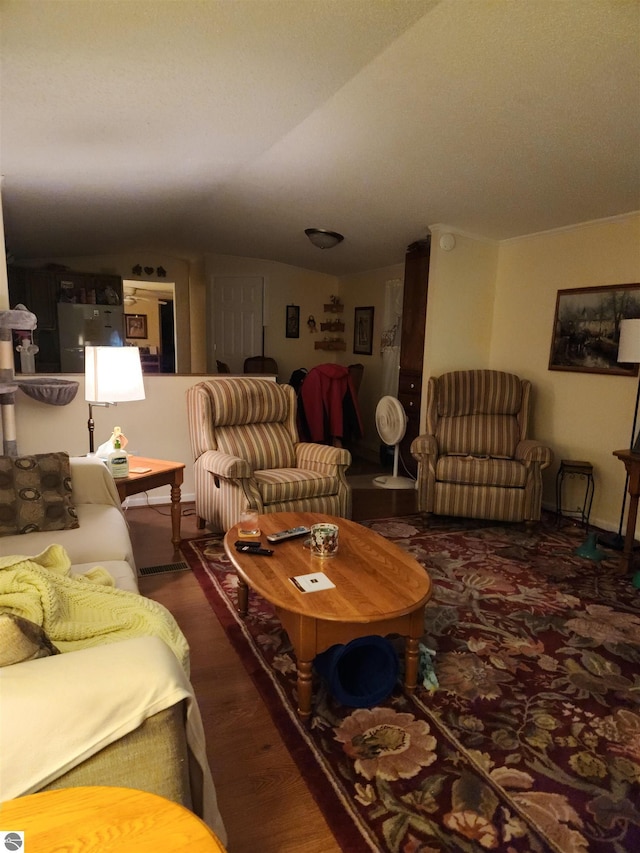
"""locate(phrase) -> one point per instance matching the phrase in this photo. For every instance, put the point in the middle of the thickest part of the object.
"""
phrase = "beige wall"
(155, 427)
(488, 305)
(493, 305)
(284, 285)
(581, 415)
(460, 304)
(198, 313)
(357, 291)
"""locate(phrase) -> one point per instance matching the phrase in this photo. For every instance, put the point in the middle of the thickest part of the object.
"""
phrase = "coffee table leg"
(416, 628)
(243, 597)
(410, 664)
(304, 688)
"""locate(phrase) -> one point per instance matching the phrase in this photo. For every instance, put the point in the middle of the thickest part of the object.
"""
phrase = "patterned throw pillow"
(22, 640)
(35, 494)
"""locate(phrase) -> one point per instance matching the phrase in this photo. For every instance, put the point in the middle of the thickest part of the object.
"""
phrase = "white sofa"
(122, 713)
(102, 536)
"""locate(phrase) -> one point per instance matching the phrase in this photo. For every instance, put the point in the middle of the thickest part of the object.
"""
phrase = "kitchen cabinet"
(40, 290)
(36, 290)
(87, 288)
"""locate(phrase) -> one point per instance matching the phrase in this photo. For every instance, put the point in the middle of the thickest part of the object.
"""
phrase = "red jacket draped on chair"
(330, 405)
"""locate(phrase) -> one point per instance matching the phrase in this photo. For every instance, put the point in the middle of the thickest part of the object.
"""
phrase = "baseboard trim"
(144, 499)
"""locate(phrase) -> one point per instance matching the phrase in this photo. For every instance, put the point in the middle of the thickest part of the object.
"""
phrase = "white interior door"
(235, 311)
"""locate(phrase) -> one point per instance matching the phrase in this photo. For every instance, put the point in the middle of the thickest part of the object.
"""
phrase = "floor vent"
(160, 570)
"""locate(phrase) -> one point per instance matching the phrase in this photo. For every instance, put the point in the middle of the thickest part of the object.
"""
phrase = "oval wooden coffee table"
(379, 589)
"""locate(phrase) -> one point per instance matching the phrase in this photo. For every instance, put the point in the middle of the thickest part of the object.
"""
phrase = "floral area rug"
(531, 739)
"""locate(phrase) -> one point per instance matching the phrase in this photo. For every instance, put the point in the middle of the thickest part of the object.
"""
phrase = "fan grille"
(391, 420)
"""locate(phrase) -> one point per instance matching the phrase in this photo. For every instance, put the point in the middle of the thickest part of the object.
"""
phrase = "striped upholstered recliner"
(475, 459)
(246, 453)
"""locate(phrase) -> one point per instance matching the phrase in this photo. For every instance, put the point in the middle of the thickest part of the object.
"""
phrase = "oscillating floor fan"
(391, 423)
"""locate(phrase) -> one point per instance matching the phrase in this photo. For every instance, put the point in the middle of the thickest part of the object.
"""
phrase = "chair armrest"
(531, 450)
(424, 445)
(224, 465)
(424, 449)
(91, 482)
(108, 691)
(319, 457)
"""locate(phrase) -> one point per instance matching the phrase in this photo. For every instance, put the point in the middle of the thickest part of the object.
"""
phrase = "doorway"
(234, 320)
(167, 338)
(155, 301)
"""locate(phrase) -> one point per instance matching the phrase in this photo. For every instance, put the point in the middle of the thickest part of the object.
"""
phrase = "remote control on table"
(246, 548)
(288, 534)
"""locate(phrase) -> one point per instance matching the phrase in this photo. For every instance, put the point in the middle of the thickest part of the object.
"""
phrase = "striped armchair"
(475, 459)
(246, 453)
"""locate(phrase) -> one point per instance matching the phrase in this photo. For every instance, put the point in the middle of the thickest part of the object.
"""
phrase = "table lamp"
(111, 375)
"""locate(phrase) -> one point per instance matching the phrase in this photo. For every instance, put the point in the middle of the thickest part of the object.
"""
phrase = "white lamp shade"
(629, 345)
(112, 375)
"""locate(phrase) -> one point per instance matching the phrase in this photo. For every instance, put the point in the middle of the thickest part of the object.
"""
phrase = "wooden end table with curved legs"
(379, 589)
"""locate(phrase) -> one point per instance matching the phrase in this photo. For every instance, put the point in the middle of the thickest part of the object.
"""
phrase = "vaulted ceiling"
(230, 126)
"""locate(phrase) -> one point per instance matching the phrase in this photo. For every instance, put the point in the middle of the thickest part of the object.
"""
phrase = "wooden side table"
(161, 473)
(109, 820)
(632, 464)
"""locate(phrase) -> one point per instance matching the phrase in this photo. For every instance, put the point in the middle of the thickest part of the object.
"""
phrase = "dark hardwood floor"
(152, 546)
(265, 804)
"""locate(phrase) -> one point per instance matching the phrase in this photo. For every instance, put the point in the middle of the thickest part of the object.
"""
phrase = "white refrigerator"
(87, 325)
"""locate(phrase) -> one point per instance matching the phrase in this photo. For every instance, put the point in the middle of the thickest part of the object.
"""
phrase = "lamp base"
(394, 482)
(588, 549)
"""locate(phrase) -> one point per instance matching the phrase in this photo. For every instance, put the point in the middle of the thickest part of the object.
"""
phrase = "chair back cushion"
(250, 418)
(263, 445)
(478, 412)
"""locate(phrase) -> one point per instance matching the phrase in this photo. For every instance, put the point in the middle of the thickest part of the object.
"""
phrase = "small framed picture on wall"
(135, 325)
(292, 326)
(363, 331)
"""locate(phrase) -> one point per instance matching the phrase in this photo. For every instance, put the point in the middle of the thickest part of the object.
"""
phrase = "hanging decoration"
(138, 269)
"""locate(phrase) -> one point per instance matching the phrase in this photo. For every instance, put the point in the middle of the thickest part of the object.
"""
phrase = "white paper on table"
(312, 582)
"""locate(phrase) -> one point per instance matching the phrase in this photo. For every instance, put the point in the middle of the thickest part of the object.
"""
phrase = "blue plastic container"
(360, 674)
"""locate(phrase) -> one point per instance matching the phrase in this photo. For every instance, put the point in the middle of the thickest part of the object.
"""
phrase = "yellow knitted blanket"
(82, 611)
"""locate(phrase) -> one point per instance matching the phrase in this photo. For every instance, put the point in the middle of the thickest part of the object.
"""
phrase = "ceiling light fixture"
(323, 239)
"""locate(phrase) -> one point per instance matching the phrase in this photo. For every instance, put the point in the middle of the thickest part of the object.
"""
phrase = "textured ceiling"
(230, 126)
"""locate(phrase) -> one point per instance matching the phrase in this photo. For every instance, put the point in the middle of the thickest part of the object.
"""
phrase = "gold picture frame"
(586, 328)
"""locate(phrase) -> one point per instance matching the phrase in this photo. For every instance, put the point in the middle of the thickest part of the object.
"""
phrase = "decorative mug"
(324, 540)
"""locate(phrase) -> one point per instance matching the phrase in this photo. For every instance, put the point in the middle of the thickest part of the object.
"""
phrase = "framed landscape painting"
(586, 328)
